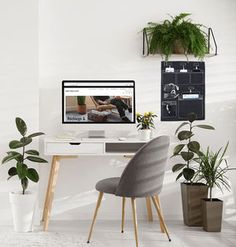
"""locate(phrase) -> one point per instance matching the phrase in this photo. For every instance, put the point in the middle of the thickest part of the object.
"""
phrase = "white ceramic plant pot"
(23, 208)
(145, 134)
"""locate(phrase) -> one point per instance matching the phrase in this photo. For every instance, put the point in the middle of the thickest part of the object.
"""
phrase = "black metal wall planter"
(212, 49)
(182, 90)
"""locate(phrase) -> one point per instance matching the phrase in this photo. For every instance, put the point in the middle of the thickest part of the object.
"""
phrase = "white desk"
(60, 149)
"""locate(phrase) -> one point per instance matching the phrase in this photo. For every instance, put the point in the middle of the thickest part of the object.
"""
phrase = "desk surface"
(100, 140)
(92, 146)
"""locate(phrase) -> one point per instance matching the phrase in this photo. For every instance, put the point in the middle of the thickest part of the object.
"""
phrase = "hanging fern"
(179, 31)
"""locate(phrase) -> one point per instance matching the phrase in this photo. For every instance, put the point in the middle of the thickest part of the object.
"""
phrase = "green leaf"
(225, 149)
(10, 157)
(194, 146)
(15, 144)
(32, 174)
(192, 117)
(36, 134)
(24, 184)
(188, 173)
(23, 142)
(12, 172)
(179, 176)
(21, 170)
(26, 140)
(200, 153)
(187, 155)
(21, 126)
(178, 148)
(13, 153)
(204, 126)
(184, 135)
(181, 125)
(32, 152)
(36, 159)
(198, 160)
(18, 156)
(178, 167)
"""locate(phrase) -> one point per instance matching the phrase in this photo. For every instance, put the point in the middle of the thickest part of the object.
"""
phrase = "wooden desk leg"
(149, 209)
(50, 191)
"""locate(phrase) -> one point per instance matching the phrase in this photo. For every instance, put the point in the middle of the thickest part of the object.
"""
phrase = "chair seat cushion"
(108, 185)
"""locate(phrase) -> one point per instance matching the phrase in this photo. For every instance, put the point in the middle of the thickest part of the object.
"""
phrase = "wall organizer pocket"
(182, 90)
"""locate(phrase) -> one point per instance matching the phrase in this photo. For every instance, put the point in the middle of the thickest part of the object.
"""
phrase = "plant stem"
(189, 140)
(23, 154)
(210, 193)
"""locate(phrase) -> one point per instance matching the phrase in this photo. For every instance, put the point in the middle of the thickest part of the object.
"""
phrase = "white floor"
(107, 233)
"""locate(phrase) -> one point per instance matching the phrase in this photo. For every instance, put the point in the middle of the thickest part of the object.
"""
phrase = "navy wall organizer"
(182, 90)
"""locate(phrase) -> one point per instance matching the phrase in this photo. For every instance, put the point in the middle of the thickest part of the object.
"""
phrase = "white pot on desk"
(23, 208)
(144, 134)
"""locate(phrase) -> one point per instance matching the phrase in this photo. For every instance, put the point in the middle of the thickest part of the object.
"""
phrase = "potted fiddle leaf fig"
(82, 109)
(23, 202)
(178, 35)
(212, 170)
(187, 151)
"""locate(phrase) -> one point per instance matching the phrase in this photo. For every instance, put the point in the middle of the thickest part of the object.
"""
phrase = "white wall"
(18, 80)
(102, 40)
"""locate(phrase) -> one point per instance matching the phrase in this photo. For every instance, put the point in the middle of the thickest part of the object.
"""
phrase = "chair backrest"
(144, 174)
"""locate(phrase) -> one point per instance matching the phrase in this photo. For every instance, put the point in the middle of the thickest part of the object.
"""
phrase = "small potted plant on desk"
(187, 151)
(212, 169)
(23, 202)
(145, 125)
(82, 109)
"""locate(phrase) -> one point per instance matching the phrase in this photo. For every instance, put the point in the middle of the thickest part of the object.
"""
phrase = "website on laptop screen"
(98, 102)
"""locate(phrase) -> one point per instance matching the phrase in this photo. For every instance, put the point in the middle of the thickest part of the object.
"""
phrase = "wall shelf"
(210, 39)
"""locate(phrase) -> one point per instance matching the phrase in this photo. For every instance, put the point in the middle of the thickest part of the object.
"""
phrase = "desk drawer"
(55, 148)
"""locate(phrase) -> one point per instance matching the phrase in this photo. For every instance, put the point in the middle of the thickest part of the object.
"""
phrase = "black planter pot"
(212, 214)
(192, 204)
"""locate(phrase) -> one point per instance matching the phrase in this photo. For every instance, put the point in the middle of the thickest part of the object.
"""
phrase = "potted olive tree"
(82, 109)
(212, 169)
(23, 202)
(187, 151)
(145, 125)
(178, 35)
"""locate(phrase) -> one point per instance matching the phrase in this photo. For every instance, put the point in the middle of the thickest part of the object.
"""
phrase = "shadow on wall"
(220, 112)
(77, 203)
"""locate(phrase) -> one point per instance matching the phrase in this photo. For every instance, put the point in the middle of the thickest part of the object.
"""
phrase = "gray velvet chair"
(142, 178)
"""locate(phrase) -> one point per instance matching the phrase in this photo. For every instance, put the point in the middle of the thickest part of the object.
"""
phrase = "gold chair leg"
(149, 209)
(159, 204)
(95, 214)
(160, 216)
(135, 220)
(123, 214)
